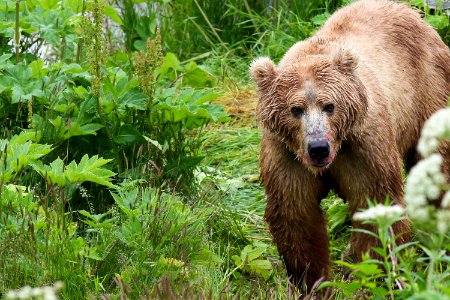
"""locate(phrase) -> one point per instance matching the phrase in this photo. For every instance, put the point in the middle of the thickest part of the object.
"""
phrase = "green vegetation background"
(129, 147)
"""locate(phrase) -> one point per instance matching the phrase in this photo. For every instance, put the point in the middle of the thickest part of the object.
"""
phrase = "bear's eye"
(296, 111)
(329, 108)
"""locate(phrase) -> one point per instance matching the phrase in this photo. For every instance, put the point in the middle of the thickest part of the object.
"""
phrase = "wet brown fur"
(387, 72)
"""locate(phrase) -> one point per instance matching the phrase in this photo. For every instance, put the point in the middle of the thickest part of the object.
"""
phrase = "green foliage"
(437, 17)
(250, 261)
(394, 271)
(117, 175)
(87, 170)
(337, 213)
(17, 153)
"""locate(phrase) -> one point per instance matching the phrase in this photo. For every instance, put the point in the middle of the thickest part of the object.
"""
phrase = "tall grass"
(183, 217)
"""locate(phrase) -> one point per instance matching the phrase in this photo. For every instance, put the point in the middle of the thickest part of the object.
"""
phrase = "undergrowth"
(129, 155)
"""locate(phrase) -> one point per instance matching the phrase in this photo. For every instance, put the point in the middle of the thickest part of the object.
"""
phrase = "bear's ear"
(345, 60)
(263, 72)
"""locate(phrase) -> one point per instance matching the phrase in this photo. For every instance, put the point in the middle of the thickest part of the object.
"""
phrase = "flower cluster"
(44, 292)
(434, 130)
(378, 212)
(425, 181)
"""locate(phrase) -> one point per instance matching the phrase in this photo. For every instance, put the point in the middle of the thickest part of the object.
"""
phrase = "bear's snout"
(319, 151)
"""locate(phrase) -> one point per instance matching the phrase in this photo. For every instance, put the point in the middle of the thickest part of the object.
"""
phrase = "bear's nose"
(318, 149)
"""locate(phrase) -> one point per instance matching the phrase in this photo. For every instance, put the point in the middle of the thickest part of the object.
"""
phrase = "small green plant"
(437, 16)
(118, 177)
(250, 261)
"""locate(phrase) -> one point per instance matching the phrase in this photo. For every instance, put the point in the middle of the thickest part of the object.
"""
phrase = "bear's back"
(402, 61)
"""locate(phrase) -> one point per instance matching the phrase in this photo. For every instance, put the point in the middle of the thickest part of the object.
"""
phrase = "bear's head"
(312, 103)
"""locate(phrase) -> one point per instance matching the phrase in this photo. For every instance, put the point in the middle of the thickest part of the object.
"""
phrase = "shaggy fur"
(364, 85)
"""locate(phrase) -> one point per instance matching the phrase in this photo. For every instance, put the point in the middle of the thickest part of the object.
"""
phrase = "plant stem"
(17, 32)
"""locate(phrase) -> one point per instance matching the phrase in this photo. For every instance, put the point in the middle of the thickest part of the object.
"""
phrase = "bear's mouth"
(321, 164)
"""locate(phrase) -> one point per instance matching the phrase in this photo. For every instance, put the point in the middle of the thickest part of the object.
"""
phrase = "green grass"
(168, 225)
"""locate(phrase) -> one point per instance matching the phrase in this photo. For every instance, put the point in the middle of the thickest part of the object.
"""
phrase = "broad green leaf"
(91, 252)
(113, 14)
(190, 107)
(262, 267)
(24, 86)
(368, 269)
(237, 260)
(5, 83)
(22, 154)
(139, 45)
(249, 253)
(262, 264)
(170, 63)
(69, 128)
(89, 169)
(197, 77)
(129, 230)
(80, 91)
(18, 153)
(319, 20)
(128, 135)
(49, 4)
(133, 99)
(37, 69)
(204, 96)
(53, 173)
(124, 84)
(75, 129)
(75, 5)
(72, 69)
(4, 61)
(26, 92)
(417, 3)
(404, 246)
(95, 221)
(26, 135)
(60, 126)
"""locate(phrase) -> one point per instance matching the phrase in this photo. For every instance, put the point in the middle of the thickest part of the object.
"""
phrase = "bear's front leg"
(365, 172)
(293, 213)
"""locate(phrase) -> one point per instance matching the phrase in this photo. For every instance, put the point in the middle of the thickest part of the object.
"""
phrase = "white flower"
(45, 292)
(443, 220)
(24, 293)
(446, 200)
(435, 128)
(424, 182)
(379, 211)
(11, 295)
(421, 214)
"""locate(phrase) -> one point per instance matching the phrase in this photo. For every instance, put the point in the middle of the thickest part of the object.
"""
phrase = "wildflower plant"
(147, 62)
(95, 43)
(379, 276)
(426, 183)
(415, 270)
(44, 292)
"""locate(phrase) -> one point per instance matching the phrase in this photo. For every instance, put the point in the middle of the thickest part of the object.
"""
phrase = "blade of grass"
(211, 26)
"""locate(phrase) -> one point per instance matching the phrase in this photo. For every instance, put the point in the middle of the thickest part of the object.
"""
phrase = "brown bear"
(342, 111)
